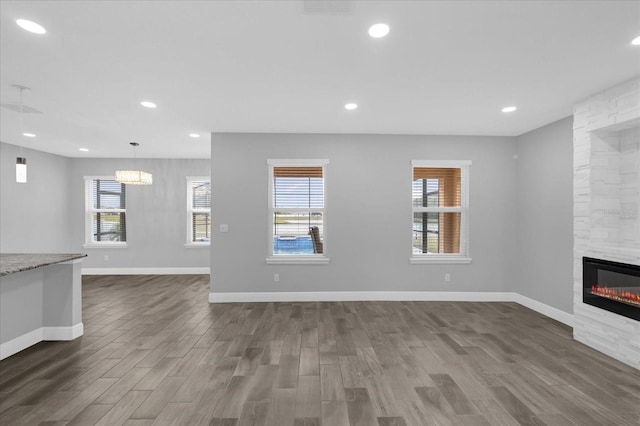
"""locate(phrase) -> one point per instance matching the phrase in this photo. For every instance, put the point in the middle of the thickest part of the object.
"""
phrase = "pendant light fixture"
(21, 162)
(21, 170)
(134, 177)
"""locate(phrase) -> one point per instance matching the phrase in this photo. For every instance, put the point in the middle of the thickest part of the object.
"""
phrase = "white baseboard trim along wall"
(38, 335)
(395, 296)
(147, 271)
(550, 311)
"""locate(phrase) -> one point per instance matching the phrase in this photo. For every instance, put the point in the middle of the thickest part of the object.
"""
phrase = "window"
(106, 212)
(297, 216)
(440, 204)
(198, 211)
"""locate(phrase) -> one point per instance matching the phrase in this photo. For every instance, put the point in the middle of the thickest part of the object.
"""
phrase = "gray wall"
(368, 208)
(156, 214)
(47, 213)
(34, 216)
(520, 212)
(545, 215)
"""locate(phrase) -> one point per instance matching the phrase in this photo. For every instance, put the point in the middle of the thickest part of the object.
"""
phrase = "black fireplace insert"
(612, 286)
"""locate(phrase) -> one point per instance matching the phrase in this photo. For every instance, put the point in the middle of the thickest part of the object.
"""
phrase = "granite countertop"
(10, 263)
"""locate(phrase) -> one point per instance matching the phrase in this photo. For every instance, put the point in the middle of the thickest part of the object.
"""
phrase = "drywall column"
(38, 304)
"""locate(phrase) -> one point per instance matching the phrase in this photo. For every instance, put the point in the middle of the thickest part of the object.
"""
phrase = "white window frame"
(439, 258)
(297, 259)
(191, 210)
(88, 216)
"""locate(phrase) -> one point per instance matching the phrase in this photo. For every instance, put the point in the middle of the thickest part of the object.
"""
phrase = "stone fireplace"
(606, 137)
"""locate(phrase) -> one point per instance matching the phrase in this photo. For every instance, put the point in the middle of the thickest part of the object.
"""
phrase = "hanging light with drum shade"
(134, 177)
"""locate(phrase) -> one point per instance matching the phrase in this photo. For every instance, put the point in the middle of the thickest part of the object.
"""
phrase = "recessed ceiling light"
(194, 135)
(30, 26)
(636, 41)
(351, 106)
(378, 30)
(84, 149)
(148, 104)
(509, 109)
(29, 135)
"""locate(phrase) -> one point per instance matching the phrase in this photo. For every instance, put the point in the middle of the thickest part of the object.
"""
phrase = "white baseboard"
(62, 333)
(14, 346)
(147, 271)
(544, 309)
(20, 343)
(359, 296)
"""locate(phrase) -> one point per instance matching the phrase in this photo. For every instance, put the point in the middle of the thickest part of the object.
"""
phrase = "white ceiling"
(290, 66)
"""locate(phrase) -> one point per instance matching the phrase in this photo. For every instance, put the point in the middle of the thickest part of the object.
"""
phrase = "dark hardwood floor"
(156, 352)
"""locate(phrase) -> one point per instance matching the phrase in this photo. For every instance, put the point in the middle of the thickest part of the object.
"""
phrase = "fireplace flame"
(618, 294)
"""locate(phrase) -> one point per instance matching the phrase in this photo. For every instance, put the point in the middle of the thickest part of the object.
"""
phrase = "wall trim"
(38, 335)
(62, 333)
(360, 296)
(147, 271)
(20, 343)
(544, 309)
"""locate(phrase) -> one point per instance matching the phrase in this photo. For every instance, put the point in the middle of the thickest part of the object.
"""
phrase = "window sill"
(438, 259)
(105, 245)
(298, 260)
(197, 245)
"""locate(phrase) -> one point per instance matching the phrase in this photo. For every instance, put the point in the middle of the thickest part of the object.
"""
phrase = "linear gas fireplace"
(612, 286)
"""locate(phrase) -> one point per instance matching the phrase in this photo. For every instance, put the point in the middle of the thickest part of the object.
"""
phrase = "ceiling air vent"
(328, 7)
(25, 108)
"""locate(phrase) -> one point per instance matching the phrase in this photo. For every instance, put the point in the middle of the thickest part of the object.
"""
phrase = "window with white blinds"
(297, 208)
(198, 210)
(440, 211)
(106, 211)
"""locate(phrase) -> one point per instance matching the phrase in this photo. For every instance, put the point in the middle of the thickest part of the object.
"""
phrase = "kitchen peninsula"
(40, 299)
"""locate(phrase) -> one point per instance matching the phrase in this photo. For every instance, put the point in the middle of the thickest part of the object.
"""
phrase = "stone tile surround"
(606, 138)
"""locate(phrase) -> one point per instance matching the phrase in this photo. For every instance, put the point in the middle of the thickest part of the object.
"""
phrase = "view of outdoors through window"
(200, 211)
(436, 231)
(298, 205)
(108, 213)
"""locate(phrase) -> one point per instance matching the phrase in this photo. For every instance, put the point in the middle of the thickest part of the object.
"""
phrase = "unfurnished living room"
(320, 212)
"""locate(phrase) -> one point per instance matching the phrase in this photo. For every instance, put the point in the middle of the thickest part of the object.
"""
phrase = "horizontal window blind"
(298, 172)
(436, 187)
(300, 187)
(201, 194)
(108, 194)
(297, 207)
(437, 196)
(200, 210)
(108, 214)
(201, 227)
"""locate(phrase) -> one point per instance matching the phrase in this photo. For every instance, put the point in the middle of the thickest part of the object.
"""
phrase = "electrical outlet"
(224, 227)
(447, 277)
(106, 257)
(276, 278)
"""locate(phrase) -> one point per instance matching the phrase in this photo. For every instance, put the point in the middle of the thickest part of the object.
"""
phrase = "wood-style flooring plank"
(309, 361)
(456, 397)
(359, 407)
(282, 407)
(254, 413)
(335, 413)
(121, 411)
(155, 351)
(391, 421)
(331, 386)
(308, 397)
